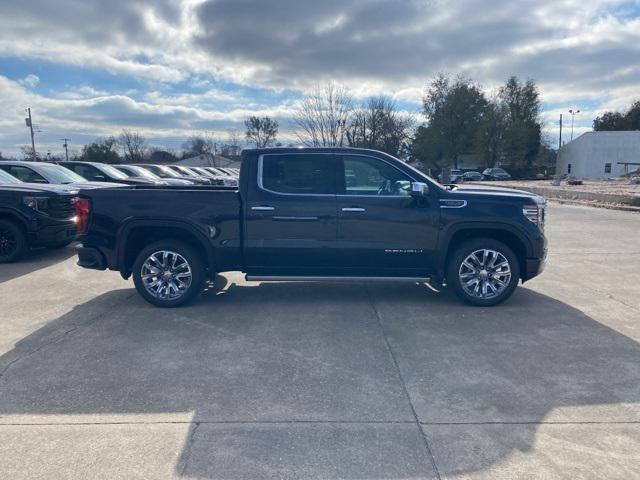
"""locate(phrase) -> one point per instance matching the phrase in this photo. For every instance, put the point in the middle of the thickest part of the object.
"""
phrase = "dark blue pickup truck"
(316, 214)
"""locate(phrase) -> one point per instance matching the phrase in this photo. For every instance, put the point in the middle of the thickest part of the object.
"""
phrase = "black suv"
(34, 215)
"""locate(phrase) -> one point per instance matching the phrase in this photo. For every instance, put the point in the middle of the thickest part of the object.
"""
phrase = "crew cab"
(296, 216)
(34, 215)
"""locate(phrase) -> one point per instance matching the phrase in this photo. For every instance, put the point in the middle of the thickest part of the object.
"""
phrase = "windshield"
(186, 171)
(111, 171)
(142, 172)
(5, 178)
(59, 174)
(167, 172)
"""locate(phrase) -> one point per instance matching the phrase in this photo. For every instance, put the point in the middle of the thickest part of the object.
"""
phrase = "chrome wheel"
(484, 274)
(166, 275)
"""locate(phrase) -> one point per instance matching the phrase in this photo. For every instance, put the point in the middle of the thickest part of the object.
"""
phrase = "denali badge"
(402, 250)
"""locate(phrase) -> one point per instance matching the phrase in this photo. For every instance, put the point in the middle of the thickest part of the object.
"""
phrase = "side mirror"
(419, 188)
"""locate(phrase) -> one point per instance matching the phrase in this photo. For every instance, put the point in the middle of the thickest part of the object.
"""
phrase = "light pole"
(573, 114)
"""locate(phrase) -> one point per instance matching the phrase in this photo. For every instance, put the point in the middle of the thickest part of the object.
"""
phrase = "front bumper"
(52, 232)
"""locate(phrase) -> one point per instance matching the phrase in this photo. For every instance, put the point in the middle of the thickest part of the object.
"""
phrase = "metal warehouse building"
(600, 155)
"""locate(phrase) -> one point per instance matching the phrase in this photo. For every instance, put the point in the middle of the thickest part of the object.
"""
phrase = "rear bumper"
(89, 257)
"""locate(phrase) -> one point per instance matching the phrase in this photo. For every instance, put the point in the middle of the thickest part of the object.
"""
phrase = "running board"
(280, 278)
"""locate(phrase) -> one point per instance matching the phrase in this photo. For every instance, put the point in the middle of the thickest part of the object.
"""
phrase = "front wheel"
(13, 243)
(168, 273)
(483, 272)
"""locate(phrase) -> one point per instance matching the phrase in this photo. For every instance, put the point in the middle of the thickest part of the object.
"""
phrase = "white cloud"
(30, 80)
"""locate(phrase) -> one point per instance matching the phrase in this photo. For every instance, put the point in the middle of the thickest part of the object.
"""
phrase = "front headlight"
(39, 204)
(535, 213)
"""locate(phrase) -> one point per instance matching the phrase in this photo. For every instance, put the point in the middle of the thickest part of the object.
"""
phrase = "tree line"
(458, 118)
(617, 121)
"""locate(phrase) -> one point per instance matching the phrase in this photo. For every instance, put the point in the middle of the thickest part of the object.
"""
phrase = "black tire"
(56, 246)
(195, 264)
(13, 241)
(469, 247)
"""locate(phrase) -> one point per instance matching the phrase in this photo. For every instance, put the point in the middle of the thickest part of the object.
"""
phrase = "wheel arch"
(137, 234)
(15, 217)
(504, 233)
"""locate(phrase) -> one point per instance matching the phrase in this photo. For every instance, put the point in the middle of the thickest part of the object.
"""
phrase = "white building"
(600, 155)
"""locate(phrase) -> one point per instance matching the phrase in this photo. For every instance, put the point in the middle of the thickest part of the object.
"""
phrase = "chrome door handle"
(353, 209)
(263, 208)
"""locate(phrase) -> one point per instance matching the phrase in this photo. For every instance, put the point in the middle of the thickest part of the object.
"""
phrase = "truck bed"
(211, 212)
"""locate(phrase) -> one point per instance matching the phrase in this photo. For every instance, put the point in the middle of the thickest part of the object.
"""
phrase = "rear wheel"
(483, 272)
(13, 242)
(168, 273)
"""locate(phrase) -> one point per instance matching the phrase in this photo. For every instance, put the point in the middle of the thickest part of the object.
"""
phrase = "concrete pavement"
(328, 381)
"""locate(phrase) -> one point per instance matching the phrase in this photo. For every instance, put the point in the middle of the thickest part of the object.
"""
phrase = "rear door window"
(301, 174)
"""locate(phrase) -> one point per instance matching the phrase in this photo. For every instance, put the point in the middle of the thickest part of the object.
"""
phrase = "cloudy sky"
(171, 68)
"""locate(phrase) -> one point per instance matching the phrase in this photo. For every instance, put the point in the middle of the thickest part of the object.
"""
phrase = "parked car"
(133, 171)
(217, 179)
(102, 172)
(472, 177)
(495, 174)
(455, 175)
(33, 215)
(219, 171)
(42, 172)
(189, 173)
(283, 223)
(164, 172)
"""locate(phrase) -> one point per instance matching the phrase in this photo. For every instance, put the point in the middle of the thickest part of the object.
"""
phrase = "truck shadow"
(314, 352)
(33, 260)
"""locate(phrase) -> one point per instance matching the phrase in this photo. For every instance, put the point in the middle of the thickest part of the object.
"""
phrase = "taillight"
(82, 214)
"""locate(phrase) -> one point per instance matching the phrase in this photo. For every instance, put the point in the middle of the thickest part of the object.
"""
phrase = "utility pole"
(29, 123)
(560, 141)
(66, 149)
(558, 176)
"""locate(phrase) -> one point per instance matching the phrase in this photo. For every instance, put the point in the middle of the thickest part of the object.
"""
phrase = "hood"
(494, 191)
(136, 181)
(41, 187)
(177, 181)
(92, 185)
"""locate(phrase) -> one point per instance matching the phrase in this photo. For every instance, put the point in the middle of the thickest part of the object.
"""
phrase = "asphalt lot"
(367, 381)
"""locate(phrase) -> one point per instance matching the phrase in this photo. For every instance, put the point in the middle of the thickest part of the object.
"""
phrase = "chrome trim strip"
(353, 209)
(293, 219)
(284, 278)
(463, 203)
(263, 209)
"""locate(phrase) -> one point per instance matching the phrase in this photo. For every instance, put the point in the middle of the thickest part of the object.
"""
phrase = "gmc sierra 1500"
(316, 214)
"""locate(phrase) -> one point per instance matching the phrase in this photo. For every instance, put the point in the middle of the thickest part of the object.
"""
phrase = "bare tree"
(233, 138)
(197, 145)
(323, 116)
(379, 125)
(133, 146)
(261, 132)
